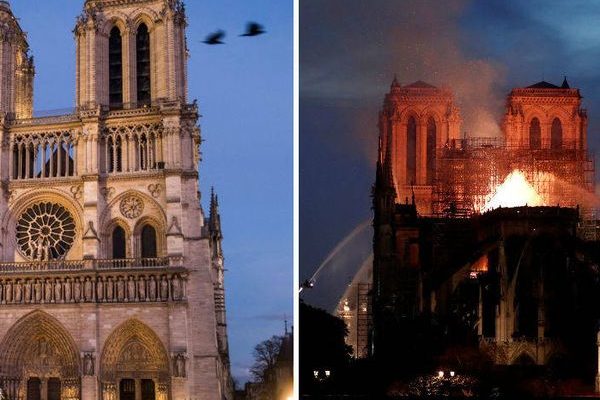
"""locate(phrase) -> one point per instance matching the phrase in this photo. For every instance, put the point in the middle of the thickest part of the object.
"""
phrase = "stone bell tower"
(111, 275)
(131, 53)
(16, 67)
(417, 121)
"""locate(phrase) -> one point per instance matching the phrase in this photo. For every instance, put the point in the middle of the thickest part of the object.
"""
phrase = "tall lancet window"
(119, 243)
(115, 63)
(431, 150)
(535, 134)
(411, 151)
(149, 242)
(556, 134)
(143, 65)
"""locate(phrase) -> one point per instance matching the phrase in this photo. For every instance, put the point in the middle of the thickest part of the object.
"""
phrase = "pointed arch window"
(431, 150)
(115, 65)
(143, 65)
(556, 134)
(149, 249)
(411, 151)
(119, 243)
(535, 134)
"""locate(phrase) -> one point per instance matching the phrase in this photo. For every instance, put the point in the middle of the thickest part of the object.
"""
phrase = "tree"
(265, 356)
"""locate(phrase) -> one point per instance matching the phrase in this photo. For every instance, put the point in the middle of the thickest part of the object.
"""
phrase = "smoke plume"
(351, 49)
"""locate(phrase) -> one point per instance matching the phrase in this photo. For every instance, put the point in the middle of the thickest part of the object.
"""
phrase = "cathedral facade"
(440, 250)
(111, 275)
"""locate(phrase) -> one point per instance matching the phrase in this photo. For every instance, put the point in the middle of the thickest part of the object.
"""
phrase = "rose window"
(45, 231)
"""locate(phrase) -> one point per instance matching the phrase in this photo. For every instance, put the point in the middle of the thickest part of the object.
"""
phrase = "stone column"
(421, 153)
(138, 389)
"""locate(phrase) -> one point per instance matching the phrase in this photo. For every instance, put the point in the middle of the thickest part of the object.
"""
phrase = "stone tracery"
(45, 231)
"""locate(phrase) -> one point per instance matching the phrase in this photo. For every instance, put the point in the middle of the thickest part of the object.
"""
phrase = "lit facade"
(111, 275)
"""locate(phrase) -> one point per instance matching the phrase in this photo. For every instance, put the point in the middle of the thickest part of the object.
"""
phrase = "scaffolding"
(469, 170)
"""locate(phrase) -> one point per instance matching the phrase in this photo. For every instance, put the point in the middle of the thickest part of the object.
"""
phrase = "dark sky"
(245, 94)
(351, 49)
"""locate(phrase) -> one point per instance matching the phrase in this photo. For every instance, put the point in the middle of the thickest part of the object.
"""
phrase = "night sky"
(244, 91)
(351, 49)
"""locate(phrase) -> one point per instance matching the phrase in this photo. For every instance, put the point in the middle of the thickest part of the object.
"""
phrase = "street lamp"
(440, 374)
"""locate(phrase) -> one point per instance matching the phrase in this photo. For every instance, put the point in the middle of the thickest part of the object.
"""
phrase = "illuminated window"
(431, 145)
(535, 134)
(411, 151)
(556, 136)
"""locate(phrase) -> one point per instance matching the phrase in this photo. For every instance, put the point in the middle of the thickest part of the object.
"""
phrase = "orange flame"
(515, 191)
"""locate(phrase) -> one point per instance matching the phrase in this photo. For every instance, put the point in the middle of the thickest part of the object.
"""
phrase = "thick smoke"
(351, 49)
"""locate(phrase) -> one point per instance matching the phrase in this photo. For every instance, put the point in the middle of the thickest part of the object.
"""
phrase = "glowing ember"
(515, 191)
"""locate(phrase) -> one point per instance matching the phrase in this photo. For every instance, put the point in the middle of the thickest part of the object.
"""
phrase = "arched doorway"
(43, 357)
(134, 364)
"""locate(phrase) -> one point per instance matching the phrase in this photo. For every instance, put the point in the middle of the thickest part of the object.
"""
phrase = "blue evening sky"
(244, 90)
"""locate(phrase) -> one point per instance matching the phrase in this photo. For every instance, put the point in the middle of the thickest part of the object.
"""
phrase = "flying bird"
(254, 29)
(215, 38)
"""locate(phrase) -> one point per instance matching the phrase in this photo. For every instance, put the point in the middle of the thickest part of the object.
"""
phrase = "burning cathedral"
(496, 236)
(111, 275)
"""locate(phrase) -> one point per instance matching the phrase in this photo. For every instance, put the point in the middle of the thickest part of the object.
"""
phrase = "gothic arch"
(118, 19)
(146, 16)
(107, 233)
(431, 112)
(133, 347)
(151, 209)
(409, 112)
(160, 235)
(523, 358)
(39, 345)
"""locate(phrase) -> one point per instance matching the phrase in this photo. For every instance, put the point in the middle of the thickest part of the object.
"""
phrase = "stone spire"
(215, 217)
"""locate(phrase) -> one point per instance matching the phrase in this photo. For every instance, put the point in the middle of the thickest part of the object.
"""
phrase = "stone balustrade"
(94, 281)
(91, 264)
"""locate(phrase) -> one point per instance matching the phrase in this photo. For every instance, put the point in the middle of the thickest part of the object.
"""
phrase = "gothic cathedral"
(111, 276)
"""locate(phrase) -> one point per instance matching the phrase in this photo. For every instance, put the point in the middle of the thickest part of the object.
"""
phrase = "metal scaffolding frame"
(468, 171)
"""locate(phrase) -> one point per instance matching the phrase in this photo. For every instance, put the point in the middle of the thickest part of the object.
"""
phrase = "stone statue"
(77, 290)
(131, 288)
(57, 291)
(164, 288)
(37, 291)
(100, 289)
(142, 288)
(18, 292)
(88, 364)
(88, 291)
(179, 366)
(68, 298)
(120, 289)
(27, 291)
(152, 288)
(176, 287)
(110, 289)
(48, 291)
(9, 292)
